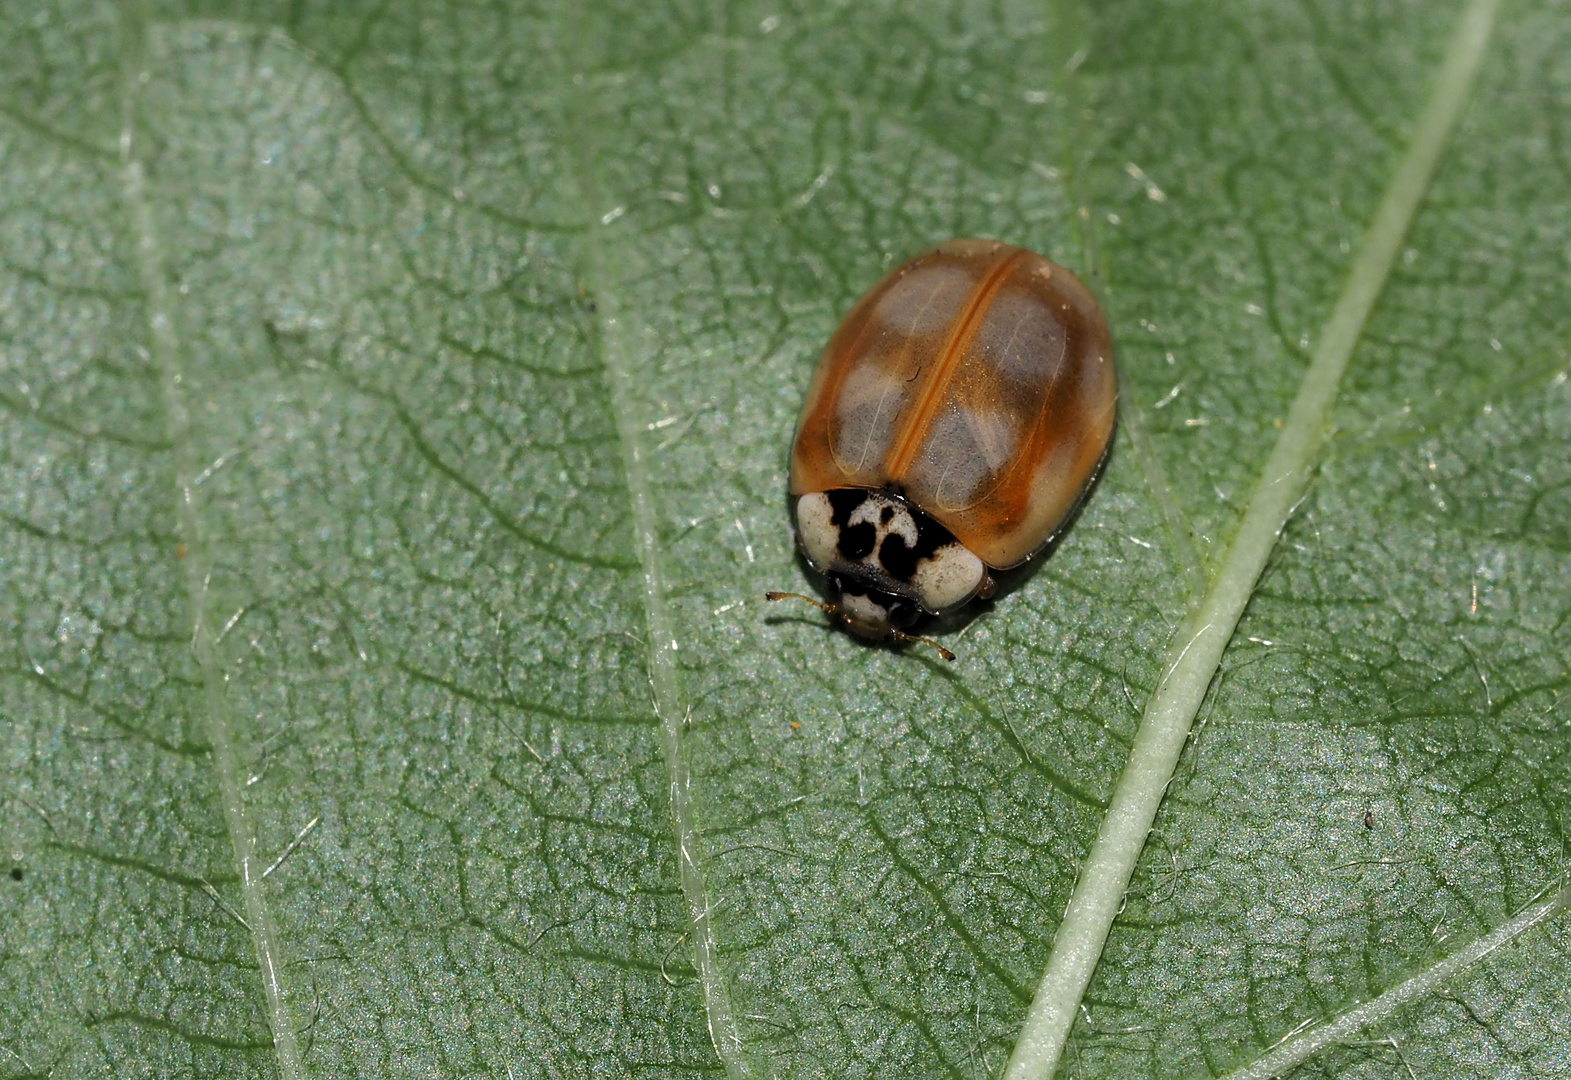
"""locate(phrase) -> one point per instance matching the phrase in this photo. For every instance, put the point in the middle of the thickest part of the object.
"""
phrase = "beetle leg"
(828, 609)
(901, 635)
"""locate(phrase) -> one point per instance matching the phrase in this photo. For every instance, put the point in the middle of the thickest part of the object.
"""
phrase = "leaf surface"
(397, 403)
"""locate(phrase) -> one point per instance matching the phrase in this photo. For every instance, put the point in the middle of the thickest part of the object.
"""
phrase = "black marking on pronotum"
(843, 503)
(899, 559)
(855, 541)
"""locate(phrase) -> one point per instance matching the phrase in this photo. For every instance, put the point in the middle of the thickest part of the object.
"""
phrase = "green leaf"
(397, 403)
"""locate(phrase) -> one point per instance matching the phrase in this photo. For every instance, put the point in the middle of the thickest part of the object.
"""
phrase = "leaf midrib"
(1202, 640)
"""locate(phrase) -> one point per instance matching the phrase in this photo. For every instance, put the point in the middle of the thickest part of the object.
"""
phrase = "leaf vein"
(1300, 1047)
(166, 348)
(724, 1031)
(1164, 730)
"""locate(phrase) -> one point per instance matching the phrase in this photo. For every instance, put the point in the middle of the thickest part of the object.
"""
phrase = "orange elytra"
(957, 416)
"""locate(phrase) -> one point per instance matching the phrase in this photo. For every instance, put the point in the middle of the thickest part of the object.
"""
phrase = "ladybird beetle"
(957, 416)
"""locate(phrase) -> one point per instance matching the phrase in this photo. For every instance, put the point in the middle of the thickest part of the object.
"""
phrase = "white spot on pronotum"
(815, 530)
(950, 576)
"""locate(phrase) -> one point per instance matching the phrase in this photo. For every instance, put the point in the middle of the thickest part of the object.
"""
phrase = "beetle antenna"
(901, 635)
(828, 609)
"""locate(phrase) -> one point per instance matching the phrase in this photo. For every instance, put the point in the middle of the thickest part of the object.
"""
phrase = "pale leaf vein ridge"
(616, 350)
(1302, 1045)
(1164, 729)
(166, 350)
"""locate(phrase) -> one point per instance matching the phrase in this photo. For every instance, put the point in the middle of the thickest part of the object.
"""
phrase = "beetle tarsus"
(827, 609)
(901, 635)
